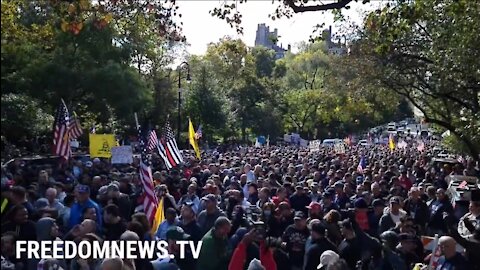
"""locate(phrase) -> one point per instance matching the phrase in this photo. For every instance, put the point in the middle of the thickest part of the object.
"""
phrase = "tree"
(427, 51)
(106, 59)
(264, 61)
(203, 105)
(285, 8)
(22, 109)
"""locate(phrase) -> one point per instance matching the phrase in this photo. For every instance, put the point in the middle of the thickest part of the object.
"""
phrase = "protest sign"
(101, 145)
(314, 145)
(339, 148)
(287, 138)
(122, 155)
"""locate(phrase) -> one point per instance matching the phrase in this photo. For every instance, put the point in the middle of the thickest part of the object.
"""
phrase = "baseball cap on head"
(360, 203)
(82, 189)
(210, 198)
(176, 233)
(328, 257)
(394, 200)
(299, 215)
(339, 184)
(315, 206)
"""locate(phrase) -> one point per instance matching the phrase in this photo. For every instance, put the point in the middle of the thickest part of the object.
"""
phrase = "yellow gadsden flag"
(159, 217)
(101, 145)
(191, 137)
(391, 143)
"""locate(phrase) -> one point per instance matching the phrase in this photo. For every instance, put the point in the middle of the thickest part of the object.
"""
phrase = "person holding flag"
(192, 137)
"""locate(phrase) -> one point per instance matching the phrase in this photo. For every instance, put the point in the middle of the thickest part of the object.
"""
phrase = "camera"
(253, 213)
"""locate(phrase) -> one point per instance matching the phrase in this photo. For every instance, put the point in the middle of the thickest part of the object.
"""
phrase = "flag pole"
(136, 120)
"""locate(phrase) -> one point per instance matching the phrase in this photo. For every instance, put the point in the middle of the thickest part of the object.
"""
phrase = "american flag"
(75, 128)
(61, 135)
(198, 134)
(361, 165)
(153, 143)
(168, 148)
(150, 202)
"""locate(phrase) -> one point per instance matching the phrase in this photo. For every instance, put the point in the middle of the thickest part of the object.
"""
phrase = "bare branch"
(298, 9)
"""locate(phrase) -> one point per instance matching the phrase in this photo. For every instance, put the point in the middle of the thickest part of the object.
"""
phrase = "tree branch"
(298, 9)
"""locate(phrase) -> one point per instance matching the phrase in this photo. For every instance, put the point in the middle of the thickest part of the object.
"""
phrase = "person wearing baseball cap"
(327, 258)
(83, 201)
(300, 200)
(294, 239)
(407, 249)
(206, 218)
(319, 245)
(327, 201)
(374, 216)
(189, 221)
(392, 217)
(314, 211)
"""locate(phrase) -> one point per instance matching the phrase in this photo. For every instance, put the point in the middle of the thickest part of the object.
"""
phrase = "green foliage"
(105, 59)
(203, 105)
(427, 51)
(23, 109)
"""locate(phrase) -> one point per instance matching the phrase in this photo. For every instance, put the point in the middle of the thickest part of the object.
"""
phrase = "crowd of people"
(276, 207)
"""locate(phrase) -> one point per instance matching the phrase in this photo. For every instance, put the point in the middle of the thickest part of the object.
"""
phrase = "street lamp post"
(183, 65)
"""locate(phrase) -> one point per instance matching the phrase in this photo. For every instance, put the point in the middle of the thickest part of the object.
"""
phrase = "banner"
(314, 145)
(262, 140)
(303, 143)
(295, 137)
(339, 148)
(101, 145)
(122, 155)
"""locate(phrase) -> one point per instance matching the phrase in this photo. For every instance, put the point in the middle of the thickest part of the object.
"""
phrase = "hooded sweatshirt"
(43, 228)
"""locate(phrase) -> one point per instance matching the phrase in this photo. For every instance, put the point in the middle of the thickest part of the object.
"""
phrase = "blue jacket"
(76, 213)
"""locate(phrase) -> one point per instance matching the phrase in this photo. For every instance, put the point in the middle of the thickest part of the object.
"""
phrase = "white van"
(331, 142)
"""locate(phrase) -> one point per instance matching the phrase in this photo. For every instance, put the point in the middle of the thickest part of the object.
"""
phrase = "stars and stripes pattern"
(75, 128)
(361, 165)
(198, 134)
(61, 134)
(153, 143)
(150, 202)
(168, 148)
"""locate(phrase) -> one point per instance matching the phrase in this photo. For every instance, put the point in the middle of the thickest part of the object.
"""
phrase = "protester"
(250, 207)
(214, 253)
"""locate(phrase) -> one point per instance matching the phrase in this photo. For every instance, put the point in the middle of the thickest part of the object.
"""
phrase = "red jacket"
(240, 256)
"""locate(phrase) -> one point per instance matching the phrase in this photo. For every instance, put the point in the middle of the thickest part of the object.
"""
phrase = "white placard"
(122, 155)
(287, 138)
(339, 148)
(314, 145)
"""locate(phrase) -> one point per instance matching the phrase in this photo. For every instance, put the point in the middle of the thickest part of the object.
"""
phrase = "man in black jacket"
(189, 222)
(319, 245)
(416, 208)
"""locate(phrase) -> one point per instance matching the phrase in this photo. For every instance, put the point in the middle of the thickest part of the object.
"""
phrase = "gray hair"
(112, 263)
(129, 236)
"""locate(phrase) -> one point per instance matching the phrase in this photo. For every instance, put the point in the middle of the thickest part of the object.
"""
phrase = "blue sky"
(201, 28)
